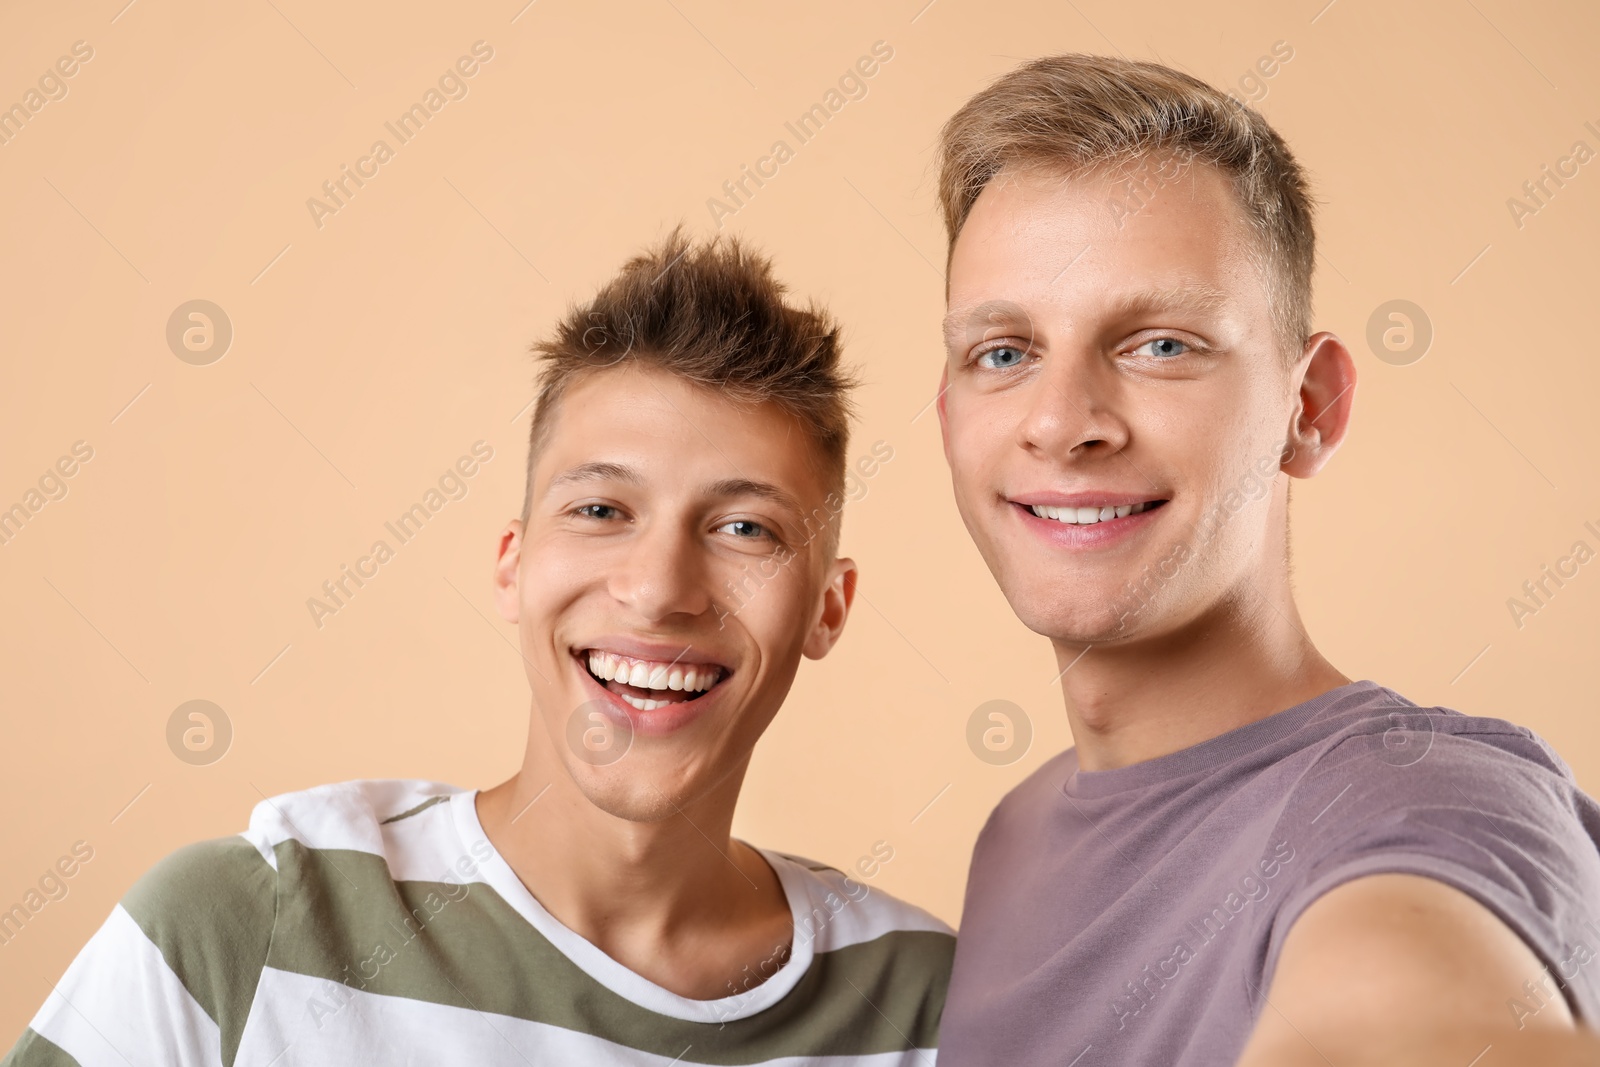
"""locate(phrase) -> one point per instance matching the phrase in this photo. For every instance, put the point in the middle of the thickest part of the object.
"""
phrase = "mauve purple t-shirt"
(1134, 916)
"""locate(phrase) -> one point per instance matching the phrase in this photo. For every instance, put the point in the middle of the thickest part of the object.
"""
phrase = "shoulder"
(339, 815)
(337, 848)
(836, 910)
(1403, 734)
(202, 885)
(1391, 761)
(220, 896)
(227, 888)
(343, 815)
(190, 940)
(200, 920)
(866, 956)
(1480, 804)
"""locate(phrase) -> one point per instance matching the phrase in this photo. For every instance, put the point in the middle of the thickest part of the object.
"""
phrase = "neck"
(676, 899)
(1244, 659)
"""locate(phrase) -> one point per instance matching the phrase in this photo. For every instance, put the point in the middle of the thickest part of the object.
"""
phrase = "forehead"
(675, 433)
(1098, 240)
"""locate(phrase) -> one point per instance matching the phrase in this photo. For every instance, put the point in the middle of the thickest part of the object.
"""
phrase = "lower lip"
(1102, 534)
(658, 722)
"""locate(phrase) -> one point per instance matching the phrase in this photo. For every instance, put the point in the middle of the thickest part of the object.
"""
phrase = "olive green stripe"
(424, 806)
(342, 918)
(36, 1050)
(209, 909)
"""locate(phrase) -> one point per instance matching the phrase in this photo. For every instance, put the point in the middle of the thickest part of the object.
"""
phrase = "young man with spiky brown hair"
(690, 426)
(1247, 857)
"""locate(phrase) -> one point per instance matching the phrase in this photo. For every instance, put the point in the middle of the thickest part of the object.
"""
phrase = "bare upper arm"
(1398, 967)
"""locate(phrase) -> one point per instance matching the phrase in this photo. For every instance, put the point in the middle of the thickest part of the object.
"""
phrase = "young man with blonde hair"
(1247, 857)
(594, 908)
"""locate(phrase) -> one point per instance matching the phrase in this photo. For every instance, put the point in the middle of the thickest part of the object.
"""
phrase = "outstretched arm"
(1396, 968)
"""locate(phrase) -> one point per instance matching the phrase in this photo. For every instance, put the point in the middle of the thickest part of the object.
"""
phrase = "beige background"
(370, 353)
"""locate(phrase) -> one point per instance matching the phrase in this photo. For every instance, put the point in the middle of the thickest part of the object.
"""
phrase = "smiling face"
(672, 571)
(1117, 399)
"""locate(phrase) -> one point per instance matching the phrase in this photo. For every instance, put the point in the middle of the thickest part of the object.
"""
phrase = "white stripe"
(349, 1026)
(846, 911)
(349, 815)
(120, 1004)
(426, 848)
(342, 814)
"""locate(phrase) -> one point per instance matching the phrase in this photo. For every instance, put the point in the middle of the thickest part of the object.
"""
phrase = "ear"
(507, 594)
(1327, 375)
(944, 424)
(837, 597)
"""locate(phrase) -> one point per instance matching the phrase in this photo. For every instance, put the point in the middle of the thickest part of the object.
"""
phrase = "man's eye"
(1002, 357)
(744, 528)
(596, 511)
(1162, 347)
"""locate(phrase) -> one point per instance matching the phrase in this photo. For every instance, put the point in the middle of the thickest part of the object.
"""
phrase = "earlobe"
(507, 596)
(837, 597)
(1327, 394)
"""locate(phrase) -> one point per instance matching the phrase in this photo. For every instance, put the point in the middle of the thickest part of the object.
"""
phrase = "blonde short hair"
(1075, 113)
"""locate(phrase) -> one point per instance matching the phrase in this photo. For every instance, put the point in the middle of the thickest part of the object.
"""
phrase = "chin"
(1065, 607)
(631, 801)
(634, 790)
(1097, 626)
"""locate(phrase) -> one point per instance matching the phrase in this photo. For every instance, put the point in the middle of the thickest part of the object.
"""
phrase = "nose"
(662, 572)
(1072, 409)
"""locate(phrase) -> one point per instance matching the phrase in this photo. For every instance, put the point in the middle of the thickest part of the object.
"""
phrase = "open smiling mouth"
(650, 684)
(1092, 516)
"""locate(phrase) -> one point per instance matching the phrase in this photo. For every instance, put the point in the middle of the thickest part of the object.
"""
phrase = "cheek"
(773, 603)
(1203, 432)
(981, 429)
(549, 582)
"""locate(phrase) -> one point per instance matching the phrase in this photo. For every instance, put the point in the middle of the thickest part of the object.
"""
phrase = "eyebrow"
(591, 472)
(1001, 316)
(732, 487)
(728, 487)
(1199, 298)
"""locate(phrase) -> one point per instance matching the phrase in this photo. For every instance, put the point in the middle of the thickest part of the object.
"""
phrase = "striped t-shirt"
(372, 922)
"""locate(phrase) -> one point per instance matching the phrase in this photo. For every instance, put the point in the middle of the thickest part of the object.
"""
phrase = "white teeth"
(644, 703)
(1087, 516)
(651, 674)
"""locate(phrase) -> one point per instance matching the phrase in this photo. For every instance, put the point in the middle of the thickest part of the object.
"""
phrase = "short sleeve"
(1497, 817)
(171, 974)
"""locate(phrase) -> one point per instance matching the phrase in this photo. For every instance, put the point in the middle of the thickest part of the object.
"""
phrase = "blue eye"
(745, 529)
(1002, 357)
(1162, 348)
(596, 511)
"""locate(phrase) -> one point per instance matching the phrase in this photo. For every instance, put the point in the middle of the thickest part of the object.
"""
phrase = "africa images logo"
(1141, 992)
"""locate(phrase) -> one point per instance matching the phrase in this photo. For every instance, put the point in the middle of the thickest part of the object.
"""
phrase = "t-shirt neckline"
(613, 975)
(1215, 751)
